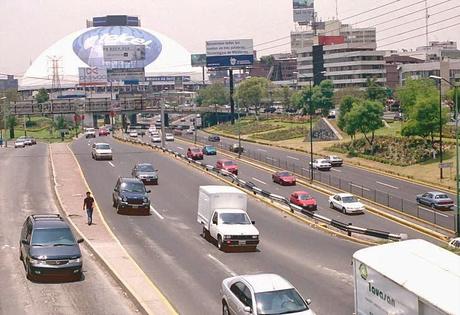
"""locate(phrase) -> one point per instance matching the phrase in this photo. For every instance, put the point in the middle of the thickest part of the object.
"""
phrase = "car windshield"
(145, 168)
(282, 174)
(103, 146)
(441, 197)
(228, 163)
(133, 187)
(234, 218)
(279, 302)
(349, 199)
(61, 236)
(209, 148)
(304, 197)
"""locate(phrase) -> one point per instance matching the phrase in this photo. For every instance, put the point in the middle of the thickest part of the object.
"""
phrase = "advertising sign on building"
(169, 79)
(124, 52)
(198, 60)
(126, 74)
(92, 76)
(303, 11)
(229, 53)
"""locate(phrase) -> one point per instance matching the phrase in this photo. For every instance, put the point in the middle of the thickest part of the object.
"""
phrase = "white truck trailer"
(412, 277)
(222, 213)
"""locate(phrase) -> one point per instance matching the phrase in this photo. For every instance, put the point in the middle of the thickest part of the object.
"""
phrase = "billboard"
(161, 78)
(124, 52)
(198, 60)
(92, 76)
(303, 11)
(235, 53)
(126, 74)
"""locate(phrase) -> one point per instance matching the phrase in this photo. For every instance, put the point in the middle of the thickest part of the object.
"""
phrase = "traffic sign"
(446, 165)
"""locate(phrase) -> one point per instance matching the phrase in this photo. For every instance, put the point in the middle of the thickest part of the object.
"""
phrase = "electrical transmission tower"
(55, 70)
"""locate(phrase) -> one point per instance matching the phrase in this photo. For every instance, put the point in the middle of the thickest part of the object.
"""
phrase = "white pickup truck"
(222, 213)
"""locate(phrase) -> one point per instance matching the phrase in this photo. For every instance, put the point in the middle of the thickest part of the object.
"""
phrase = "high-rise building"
(8, 82)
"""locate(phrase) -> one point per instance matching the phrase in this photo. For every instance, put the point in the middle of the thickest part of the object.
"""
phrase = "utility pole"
(162, 114)
(25, 126)
(232, 103)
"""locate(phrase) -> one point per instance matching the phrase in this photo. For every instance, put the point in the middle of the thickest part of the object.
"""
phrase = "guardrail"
(346, 227)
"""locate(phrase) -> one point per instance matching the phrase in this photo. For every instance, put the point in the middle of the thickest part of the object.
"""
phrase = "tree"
(365, 117)
(283, 95)
(424, 118)
(348, 91)
(375, 91)
(42, 96)
(323, 97)
(11, 122)
(345, 106)
(414, 89)
(214, 94)
(251, 92)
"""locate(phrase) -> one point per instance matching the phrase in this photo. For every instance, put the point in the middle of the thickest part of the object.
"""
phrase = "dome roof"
(163, 56)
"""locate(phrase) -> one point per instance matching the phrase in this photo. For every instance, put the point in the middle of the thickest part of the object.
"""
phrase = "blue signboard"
(229, 61)
(132, 82)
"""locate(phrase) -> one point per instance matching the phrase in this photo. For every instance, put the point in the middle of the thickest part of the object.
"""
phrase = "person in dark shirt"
(88, 206)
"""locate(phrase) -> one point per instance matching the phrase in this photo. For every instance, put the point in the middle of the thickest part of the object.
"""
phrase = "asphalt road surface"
(25, 189)
(189, 270)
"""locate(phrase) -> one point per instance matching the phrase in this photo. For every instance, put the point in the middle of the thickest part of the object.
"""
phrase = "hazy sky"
(30, 26)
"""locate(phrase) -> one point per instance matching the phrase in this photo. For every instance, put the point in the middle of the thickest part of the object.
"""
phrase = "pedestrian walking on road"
(88, 206)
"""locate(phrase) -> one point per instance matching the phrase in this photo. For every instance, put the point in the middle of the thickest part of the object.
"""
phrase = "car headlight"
(75, 261)
(146, 199)
(124, 199)
(37, 261)
(255, 236)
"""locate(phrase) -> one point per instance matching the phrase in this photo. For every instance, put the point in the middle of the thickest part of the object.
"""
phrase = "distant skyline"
(31, 26)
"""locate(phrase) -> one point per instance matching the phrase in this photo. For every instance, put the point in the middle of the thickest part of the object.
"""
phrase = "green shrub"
(282, 134)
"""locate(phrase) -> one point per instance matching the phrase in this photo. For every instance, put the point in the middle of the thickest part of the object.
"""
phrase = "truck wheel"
(205, 234)
(220, 243)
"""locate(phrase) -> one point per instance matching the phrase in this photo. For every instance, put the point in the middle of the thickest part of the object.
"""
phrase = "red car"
(283, 178)
(228, 165)
(303, 199)
(195, 153)
(103, 132)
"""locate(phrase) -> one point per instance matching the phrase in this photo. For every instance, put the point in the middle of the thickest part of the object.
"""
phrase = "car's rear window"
(146, 168)
(283, 174)
(52, 236)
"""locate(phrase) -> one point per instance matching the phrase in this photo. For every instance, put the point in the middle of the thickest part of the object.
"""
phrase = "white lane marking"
(269, 158)
(291, 157)
(306, 169)
(180, 148)
(262, 150)
(157, 213)
(388, 185)
(437, 213)
(357, 186)
(258, 180)
(221, 264)
(336, 170)
(111, 164)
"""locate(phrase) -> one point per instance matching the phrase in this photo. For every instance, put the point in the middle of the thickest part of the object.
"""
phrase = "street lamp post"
(3, 119)
(239, 131)
(440, 79)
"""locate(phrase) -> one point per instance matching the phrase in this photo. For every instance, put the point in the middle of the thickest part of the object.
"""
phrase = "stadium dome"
(84, 48)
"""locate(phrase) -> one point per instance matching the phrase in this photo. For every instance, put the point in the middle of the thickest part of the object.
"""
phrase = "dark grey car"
(435, 199)
(130, 195)
(47, 247)
(146, 173)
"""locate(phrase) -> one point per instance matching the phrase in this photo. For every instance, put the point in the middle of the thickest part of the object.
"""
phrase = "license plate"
(135, 206)
(242, 242)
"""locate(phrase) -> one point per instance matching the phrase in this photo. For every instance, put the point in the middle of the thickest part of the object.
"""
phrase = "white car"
(133, 134)
(347, 203)
(262, 294)
(90, 133)
(152, 130)
(101, 151)
(156, 138)
(169, 137)
(19, 143)
(189, 131)
(455, 243)
(321, 164)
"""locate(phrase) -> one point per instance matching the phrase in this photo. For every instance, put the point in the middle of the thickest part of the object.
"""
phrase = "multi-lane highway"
(25, 189)
(189, 270)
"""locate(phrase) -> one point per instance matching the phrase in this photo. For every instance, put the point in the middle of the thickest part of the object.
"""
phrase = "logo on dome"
(89, 45)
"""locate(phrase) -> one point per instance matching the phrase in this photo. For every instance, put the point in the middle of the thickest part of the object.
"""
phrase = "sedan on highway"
(194, 153)
(146, 173)
(321, 164)
(103, 132)
(303, 199)
(90, 133)
(209, 150)
(262, 294)
(19, 143)
(284, 178)
(130, 194)
(169, 137)
(334, 160)
(214, 138)
(156, 138)
(101, 151)
(227, 165)
(436, 200)
(133, 134)
(345, 202)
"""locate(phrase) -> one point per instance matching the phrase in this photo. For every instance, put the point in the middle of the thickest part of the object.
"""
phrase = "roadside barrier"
(346, 227)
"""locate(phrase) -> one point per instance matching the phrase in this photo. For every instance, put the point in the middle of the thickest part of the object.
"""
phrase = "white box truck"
(222, 213)
(412, 277)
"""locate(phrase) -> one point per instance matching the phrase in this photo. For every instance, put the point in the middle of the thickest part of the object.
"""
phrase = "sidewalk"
(70, 187)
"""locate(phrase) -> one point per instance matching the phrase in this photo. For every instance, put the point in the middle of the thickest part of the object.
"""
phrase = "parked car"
(90, 133)
(209, 150)
(101, 151)
(156, 138)
(189, 131)
(334, 160)
(284, 178)
(194, 153)
(345, 202)
(227, 165)
(455, 243)
(436, 200)
(303, 199)
(26, 140)
(103, 132)
(321, 164)
(213, 138)
(133, 133)
(146, 173)
(332, 113)
(236, 148)
(19, 143)
(262, 294)
(130, 194)
(152, 130)
(47, 247)
(169, 137)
